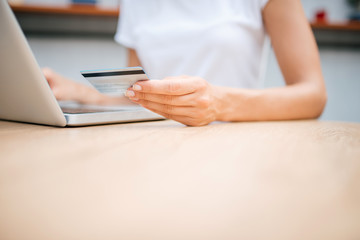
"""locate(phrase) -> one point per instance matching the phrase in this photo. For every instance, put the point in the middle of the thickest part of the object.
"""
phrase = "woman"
(208, 55)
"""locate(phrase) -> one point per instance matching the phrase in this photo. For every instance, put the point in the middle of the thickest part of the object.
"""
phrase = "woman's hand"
(186, 99)
(65, 89)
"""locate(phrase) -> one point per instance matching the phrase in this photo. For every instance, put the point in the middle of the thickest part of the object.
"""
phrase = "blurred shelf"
(87, 10)
(97, 21)
(346, 26)
(67, 20)
(90, 10)
(346, 34)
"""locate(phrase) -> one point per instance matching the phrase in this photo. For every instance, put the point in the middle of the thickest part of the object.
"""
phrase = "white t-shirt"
(219, 40)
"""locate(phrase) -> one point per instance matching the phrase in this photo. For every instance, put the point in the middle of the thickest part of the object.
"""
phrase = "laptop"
(25, 95)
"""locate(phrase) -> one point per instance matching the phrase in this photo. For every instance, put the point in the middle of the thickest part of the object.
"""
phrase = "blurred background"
(74, 35)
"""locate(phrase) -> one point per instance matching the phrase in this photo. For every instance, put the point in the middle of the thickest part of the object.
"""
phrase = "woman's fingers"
(67, 90)
(168, 109)
(176, 100)
(177, 86)
(189, 121)
(187, 115)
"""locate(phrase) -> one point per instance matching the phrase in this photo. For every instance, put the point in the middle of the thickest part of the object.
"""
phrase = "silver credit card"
(114, 82)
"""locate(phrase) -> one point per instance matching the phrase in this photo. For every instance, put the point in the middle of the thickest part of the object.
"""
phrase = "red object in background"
(321, 16)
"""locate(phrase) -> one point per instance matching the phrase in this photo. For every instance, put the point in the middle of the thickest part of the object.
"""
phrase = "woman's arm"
(304, 95)
(133, 60)
(194, 102)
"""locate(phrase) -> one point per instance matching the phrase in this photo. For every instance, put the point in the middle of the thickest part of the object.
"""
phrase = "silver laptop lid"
(24, 92)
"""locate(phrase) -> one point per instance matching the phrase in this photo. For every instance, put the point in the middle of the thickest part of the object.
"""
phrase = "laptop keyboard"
(88, 110)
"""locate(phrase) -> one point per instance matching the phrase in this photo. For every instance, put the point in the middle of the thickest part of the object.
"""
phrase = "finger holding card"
(189, 100)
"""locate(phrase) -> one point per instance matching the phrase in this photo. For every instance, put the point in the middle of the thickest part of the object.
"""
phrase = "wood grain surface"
(161, 180)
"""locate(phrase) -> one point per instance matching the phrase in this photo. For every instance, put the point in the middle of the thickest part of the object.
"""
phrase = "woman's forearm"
(297, 101)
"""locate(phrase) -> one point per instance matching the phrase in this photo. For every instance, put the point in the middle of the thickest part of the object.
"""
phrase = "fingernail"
(137, 87)
(130, 93)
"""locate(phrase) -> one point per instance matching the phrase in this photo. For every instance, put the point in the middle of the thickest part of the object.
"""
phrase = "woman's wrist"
(236, 104)
(218, 101)
(224, 103)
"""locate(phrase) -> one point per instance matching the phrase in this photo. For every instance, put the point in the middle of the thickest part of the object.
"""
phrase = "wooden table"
(161, 180)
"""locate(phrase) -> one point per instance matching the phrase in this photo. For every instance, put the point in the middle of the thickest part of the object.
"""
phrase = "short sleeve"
(263, 3)
(125, 29)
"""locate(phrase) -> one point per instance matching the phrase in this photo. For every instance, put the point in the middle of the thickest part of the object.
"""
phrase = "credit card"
(114, 82)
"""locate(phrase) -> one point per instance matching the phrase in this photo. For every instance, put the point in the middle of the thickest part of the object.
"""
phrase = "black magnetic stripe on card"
(115, 73)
